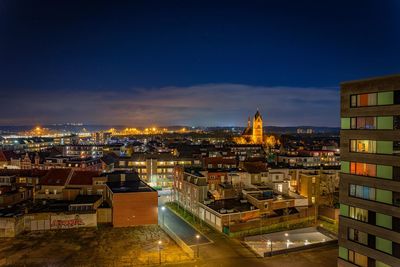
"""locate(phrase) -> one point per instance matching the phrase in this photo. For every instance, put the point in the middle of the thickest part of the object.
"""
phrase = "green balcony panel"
(385, 172)
(345, 166)
(385, 123)
(381, 264)
(384, 220)
(345, 123)
(344, 210)
(385, 98)
(384, 147)
(384, 196)
(343, 253)
(383, 245)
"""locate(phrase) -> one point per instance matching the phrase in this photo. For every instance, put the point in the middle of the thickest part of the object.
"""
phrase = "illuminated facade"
(257, 128)
(253, 134)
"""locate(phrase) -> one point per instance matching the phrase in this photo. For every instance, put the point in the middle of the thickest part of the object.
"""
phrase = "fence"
(294, 249)
(292, 224)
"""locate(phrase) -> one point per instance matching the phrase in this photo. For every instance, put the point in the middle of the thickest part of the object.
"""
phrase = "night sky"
(203, 63)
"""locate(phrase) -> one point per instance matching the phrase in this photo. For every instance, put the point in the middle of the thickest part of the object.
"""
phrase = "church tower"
(257, 128)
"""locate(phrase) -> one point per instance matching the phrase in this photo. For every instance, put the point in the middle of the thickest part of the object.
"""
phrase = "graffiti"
(69, 223)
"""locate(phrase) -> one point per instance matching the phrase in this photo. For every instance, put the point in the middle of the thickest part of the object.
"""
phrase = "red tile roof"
(56, 177)
(255, 167)
(219, 160)
(83, 177)
(24, 172)
(6, 155)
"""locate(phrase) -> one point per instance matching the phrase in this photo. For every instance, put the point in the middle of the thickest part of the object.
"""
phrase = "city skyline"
(176, 63)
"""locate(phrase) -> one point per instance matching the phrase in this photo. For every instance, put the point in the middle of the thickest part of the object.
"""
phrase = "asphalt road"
(181, 228)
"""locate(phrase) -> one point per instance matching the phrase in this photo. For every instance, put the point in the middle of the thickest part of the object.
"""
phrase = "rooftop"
(86, 199)
(230, 205)
(392, 76)
(83, 177)
(129, 187)
(56, 177)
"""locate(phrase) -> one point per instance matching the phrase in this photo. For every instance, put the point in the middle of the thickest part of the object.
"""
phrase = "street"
(180, 227)
(224, 251)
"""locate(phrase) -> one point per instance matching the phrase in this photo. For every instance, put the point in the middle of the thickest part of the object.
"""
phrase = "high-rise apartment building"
(369, 227)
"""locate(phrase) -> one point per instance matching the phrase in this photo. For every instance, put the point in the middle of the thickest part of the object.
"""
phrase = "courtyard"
(282, 242)
(105, 246)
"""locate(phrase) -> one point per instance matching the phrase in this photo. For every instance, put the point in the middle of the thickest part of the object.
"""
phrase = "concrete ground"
(262, 244)
(105, 246)
(324, 256)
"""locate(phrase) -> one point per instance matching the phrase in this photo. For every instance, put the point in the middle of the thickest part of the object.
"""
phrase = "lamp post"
(269, 242)
(287, 214)
(197, 244)
(287, 246)
(159, 251)
(163, 213)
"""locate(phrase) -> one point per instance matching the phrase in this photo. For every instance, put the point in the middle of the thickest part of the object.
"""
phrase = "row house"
(189, 188)
(219, 162)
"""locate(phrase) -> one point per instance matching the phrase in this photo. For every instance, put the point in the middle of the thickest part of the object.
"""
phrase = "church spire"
(248, 122)
(257, 114)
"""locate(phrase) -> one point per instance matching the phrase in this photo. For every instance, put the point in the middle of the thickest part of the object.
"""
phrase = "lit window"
(358, 214)
(363, 100)
(358, 259)
(363, 169)
(363, 146)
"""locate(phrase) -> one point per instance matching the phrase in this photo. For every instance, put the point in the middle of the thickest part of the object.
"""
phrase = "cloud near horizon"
(198, 105)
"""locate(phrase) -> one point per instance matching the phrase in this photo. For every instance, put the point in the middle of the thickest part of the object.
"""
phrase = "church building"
(254, 133)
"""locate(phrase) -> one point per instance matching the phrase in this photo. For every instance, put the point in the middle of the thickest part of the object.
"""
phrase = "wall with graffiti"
(65, 221)
(50, 221)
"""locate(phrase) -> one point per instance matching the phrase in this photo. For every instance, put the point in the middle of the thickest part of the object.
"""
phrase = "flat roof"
(372, 78)
(129, 187)
(86, 199)
(230, 204)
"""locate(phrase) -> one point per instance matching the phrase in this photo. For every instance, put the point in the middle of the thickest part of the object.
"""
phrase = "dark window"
(396, 224)
(371, 217)
(396, 122)
(396, 199)
(371, 241)
(396, 97)
(396, 173)
(396, 249)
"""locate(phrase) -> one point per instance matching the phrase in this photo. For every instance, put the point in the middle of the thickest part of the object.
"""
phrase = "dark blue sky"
(189, 62)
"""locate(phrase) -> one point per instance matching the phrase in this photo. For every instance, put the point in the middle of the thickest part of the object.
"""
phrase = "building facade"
(254, 133)
(369, 229)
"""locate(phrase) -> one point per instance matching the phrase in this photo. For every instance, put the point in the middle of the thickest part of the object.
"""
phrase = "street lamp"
(159, 251)
(163, 212)
(197, 243)
(269, 242)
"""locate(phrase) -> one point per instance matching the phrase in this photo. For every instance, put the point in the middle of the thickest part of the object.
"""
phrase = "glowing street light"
(159, 251)
(197, 242)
